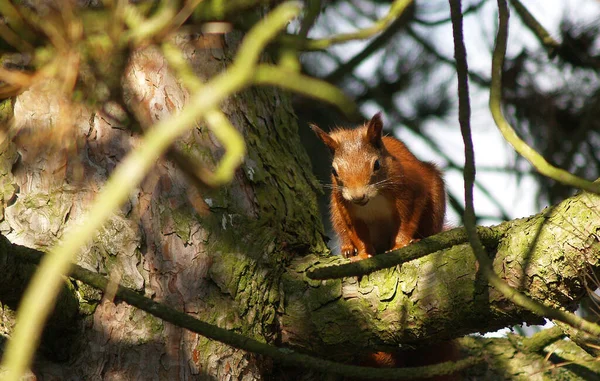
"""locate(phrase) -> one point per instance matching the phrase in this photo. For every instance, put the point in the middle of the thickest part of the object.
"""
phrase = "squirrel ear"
(324, 136)
(374, 130)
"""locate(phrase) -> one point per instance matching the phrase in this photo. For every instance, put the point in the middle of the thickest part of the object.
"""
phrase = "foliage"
(68, 45)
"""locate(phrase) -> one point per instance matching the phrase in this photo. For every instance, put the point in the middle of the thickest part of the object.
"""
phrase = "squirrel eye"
(376, 165)
(334, 172)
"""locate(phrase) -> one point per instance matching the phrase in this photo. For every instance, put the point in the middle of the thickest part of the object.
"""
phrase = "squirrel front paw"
(352, 253)
(348, 251)
(359, 257)
(401, 241)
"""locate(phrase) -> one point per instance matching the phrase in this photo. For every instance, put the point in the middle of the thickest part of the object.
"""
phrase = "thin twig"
(408, 253)
(384, 38)
(311, 13)
(536, 27)
(471, 8)
(396, 9)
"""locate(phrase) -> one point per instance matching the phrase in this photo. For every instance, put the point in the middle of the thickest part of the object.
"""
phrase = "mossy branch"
(537, 160)
(408, 253)
(540, 340)
(485, 265)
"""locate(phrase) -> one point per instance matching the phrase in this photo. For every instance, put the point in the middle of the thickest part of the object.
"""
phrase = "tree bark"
(506, 360)
(216, 254)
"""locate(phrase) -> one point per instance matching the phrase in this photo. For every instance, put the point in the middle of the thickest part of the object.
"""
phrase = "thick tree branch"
(445, 294)
(507, 360)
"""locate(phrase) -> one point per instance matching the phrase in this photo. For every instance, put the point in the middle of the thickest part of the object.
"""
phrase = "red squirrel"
(383, 197)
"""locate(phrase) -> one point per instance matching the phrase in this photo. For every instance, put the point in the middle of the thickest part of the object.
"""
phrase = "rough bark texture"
(443, 296)
(216, 254)
(506, 360)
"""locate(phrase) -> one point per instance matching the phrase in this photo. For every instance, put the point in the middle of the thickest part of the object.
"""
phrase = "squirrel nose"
(360, 199)
(356, 195)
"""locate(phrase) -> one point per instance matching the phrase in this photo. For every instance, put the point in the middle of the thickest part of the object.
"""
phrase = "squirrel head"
(359, 160)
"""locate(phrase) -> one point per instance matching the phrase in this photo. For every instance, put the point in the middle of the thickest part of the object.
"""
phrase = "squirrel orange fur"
(383, 197)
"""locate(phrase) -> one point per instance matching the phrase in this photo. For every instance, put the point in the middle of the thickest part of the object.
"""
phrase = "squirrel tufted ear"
(374, 130)
(325, 137)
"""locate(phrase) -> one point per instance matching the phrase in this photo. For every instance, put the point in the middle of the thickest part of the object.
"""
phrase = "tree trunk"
(215, 254)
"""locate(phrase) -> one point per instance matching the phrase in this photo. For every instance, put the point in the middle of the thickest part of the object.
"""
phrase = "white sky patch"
(516, 198)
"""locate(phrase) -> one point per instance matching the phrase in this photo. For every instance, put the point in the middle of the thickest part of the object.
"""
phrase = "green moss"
(279, 168)
(88, 297)
(154, 324)
(326, 292)
(6, 110)
(183, 219)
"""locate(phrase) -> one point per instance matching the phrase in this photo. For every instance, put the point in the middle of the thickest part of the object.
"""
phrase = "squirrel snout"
(356, 196)
(361, 200)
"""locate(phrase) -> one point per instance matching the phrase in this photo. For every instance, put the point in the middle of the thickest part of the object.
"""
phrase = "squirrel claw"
(349, 251)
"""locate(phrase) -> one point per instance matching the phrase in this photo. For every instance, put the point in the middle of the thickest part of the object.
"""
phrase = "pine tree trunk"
(215, 254)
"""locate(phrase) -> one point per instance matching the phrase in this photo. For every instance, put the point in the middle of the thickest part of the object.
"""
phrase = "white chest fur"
(378, 215)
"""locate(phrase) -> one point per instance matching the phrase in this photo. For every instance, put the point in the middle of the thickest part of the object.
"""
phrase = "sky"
(516, 198)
